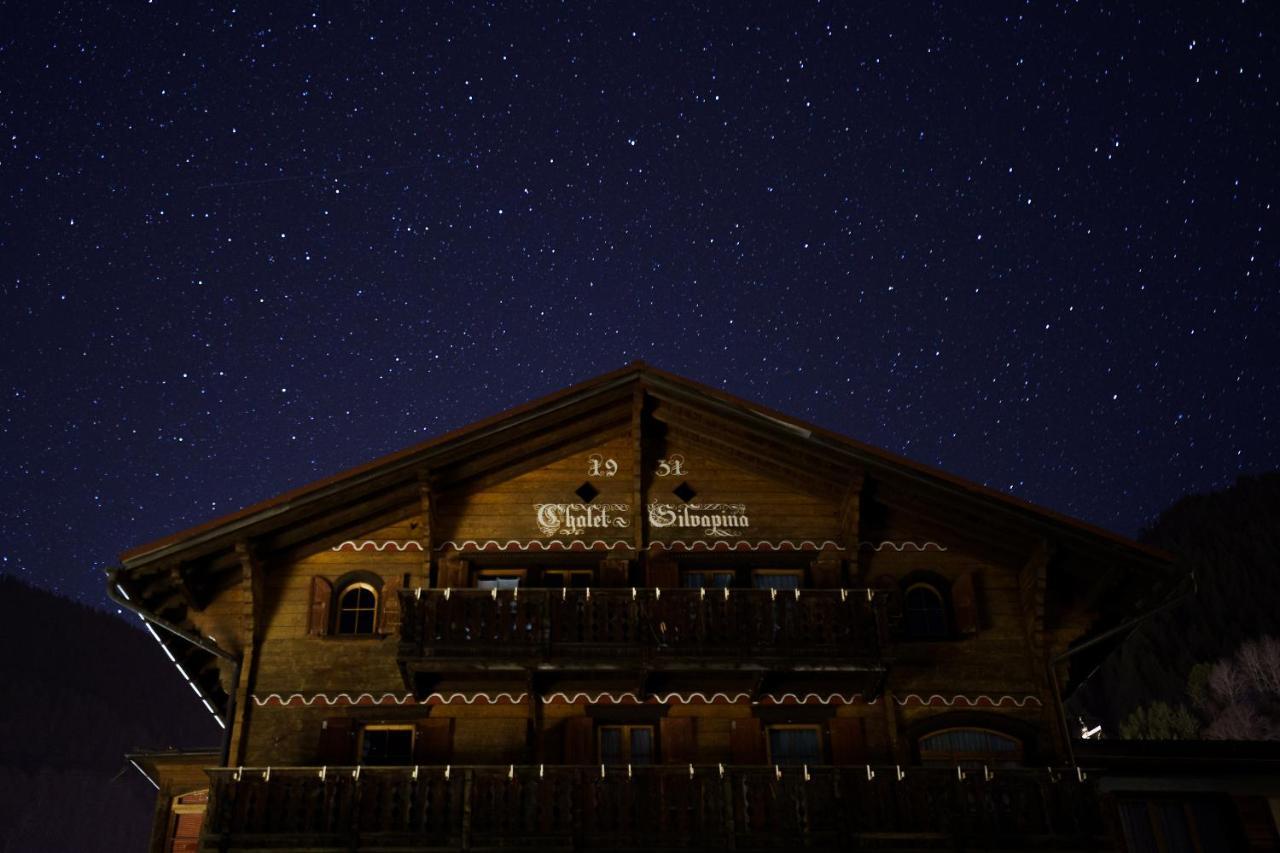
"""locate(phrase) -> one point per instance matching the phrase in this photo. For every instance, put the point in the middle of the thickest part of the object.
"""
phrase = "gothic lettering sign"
(711, 519)
(573, 519)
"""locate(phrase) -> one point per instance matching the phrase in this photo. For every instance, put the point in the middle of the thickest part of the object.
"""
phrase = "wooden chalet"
(638, 613)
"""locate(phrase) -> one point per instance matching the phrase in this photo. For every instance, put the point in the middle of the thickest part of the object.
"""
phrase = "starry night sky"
(243, 249)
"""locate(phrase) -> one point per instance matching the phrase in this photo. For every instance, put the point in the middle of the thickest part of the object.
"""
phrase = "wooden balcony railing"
(551, 624)
(742, 808)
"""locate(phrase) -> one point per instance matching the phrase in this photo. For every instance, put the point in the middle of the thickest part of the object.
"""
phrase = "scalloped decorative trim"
(351, 544)
(816, 699)
(606, 698)
(722, 545)
(298, 699)
(902, 546)
(629, 698)
(535, 544)
(968, 701)
(602, 545)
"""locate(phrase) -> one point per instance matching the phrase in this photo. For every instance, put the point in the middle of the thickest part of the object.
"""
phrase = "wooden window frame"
(521, 576)
(957, 758)
(1186, 803)
(342, 593)
(733, 573)
(792, 727)
(759, 573)
(590, 573)
(946, 633)
(626, 729)
(411, 728)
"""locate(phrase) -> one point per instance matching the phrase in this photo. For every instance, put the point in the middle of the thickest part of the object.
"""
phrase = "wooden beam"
(425, 535)
(251, 583)
(638, 472)
(179, 580)
(850, 506)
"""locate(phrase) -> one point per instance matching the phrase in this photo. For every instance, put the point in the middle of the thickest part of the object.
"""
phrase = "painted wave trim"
(389, 699)
(601, 544)
(968, 701)
(605, 697)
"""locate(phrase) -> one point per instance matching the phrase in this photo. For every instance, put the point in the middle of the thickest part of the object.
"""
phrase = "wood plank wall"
(994, 661)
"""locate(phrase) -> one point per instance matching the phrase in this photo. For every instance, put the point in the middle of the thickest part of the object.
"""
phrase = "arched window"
(357, 611)
(923, 612)
(970, 746)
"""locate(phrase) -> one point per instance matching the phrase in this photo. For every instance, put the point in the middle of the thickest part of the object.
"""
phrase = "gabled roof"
(616, 390)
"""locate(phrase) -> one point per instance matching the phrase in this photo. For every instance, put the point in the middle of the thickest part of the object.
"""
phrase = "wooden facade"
(639, 613)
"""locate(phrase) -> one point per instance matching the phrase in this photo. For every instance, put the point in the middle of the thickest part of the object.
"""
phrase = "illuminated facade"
(639, 613)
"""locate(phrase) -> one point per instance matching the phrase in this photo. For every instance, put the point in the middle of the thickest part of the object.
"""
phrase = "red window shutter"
(389, 616)
(321, 596)
(433, 742)
(848, 741)
(964, 604)
(186, 832)
(337, 741)
(746, 741)
(677, 741)
(579, 741)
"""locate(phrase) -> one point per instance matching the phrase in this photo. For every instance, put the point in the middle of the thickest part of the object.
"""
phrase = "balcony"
(581, 808)
(833, 638)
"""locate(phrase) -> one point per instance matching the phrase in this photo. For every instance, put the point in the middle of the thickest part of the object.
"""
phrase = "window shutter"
(664, 574)
(321, 596)
(613, 572)
(454, 573)
(389, 615)
(337, 741)
(579, 741)
(888, 585)
(848, 741)
(825, 574)
(433, 743)
(746, 741)
(186, 832)
(678, 745)
(964, 604)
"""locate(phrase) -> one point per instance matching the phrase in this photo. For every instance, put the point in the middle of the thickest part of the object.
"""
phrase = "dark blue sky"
(245, 248)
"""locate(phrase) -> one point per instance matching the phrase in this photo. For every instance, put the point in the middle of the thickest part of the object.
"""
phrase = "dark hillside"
(81, 689)
(1232, 541)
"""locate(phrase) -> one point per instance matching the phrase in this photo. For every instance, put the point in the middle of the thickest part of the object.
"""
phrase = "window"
(924, 616)
(970, 747)
(357, 609)
(571, 578)
(499, 578)
(626, 744)
(710, 579)
(791, 745)
(185, 822)
(781, 579)
(382, 745)
(1172, 825)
